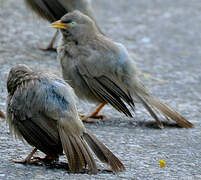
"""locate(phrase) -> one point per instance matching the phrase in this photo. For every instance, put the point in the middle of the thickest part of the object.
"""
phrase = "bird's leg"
(51, 44)
(27, 160)
(93, 115)
(2, 115)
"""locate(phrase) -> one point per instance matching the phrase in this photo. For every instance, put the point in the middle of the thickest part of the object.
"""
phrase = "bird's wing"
(103, 80)
(35, 108)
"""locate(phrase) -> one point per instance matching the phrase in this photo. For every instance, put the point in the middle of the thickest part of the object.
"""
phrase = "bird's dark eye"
(66, 21)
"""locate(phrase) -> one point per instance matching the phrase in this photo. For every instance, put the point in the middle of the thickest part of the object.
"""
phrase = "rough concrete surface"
(164, 38)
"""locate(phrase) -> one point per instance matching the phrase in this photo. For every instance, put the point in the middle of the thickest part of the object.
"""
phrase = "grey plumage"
(102, 71)
(41, 110)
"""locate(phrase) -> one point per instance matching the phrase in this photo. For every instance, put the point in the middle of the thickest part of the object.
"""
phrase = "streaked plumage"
(102, 71)
(41, 110)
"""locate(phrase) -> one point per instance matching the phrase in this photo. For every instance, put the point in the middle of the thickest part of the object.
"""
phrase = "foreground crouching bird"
(41, 110)
(52, 10)
(102, 71)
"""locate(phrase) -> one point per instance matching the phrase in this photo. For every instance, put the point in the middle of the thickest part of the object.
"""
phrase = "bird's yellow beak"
(58, 24)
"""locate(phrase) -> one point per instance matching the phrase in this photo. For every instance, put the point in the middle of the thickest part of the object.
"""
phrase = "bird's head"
(16, 74)
(77, 25)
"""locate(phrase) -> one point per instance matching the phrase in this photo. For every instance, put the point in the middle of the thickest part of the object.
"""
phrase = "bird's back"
(33, 111)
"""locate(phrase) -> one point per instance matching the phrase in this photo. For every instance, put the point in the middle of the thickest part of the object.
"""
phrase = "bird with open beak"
(101, 71)
(41, 110)
(52, 10)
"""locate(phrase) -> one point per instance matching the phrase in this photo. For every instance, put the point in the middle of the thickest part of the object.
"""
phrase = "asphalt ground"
(164, 38)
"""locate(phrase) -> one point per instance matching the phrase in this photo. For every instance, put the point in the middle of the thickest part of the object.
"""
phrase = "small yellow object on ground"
(162, 163)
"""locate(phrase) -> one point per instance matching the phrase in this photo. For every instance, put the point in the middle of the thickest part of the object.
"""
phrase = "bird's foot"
(35, 160)
(93, 115)
(28, 159)
(91, 118)
(48, 48)
(25, 161)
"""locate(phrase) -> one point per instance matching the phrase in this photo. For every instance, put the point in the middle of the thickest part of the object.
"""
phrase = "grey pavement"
(164, 38)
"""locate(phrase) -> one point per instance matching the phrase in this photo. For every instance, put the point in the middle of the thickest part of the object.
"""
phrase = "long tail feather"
(77, 152)
(103, 153)
(150, 102)
(169, 112)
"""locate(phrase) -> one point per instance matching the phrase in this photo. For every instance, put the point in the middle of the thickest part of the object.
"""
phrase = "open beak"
(58, 24)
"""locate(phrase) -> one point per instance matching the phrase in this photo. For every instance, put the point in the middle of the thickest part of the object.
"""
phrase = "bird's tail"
(50, 10)
(153, 105)
(79, 155)
(103, 153)
(2, 115)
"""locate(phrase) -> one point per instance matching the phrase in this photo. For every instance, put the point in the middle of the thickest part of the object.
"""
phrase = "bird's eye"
(72, 24)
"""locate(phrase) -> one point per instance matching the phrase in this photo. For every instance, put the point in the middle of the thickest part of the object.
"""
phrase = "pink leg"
(51, 44)
(27, 160)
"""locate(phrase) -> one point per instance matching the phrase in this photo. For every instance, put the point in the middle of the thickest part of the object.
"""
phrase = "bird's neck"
(69, 40)
(79, 40)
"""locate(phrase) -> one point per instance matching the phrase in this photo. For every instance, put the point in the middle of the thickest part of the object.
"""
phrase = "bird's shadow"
(154, 125)
(133, 123)
(65, 167)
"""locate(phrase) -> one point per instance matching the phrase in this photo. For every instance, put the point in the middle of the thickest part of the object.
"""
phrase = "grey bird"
(52, 10)
(2, 115)
(101, 70)
(41, 110)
